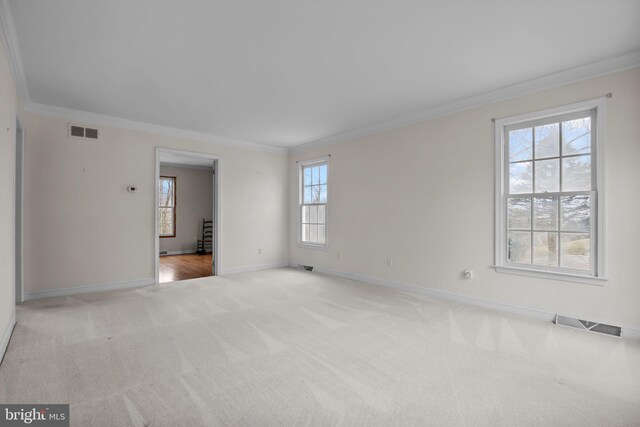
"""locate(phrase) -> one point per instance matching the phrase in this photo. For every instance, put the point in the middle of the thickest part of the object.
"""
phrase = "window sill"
(312, 246)
(565, 277)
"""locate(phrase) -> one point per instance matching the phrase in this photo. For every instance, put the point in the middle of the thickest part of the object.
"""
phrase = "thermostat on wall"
(132, 188)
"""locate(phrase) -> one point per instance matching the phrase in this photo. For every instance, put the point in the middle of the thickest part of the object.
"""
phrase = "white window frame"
(597, 275)
(301, 165)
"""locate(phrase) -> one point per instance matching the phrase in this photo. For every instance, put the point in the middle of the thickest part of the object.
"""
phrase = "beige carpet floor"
(285, 347)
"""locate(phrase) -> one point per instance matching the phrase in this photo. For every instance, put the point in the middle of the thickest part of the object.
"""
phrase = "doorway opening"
(187, 215)
(19, 211)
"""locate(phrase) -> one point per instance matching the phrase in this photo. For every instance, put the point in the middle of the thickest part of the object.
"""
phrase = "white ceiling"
(287, 72)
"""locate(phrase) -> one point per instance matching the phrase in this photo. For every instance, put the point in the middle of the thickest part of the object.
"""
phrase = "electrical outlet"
(467, 274)
(338, 255)
(259, 251)
(389, 262)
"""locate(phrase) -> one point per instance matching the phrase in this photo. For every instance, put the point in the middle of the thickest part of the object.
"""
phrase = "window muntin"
(550, 194)
(167, 206)
(313, 203)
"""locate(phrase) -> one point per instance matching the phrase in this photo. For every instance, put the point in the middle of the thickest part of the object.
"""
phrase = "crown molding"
(607, 66)
(10, 42)
(83, 117)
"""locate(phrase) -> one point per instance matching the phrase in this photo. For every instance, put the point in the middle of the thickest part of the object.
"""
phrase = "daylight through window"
(550, 194)
(313, 203)
(167, 206)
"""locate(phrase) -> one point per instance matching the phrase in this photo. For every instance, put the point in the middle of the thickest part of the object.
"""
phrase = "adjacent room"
(186, 231)
(232, 213)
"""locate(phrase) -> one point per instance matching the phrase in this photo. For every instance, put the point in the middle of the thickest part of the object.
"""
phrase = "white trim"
(437, 293)
(597, 153)
(121, 123)
(4, 344)
(10, 42)
(19, 223)
(256, 267)
(217, 220)
(185, 252)
(300, 164)
(562, 78)
(178, 165)
(103, 287)
(553, 275)
(628, 331)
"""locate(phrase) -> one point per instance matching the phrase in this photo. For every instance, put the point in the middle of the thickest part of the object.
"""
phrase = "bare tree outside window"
(167, 206)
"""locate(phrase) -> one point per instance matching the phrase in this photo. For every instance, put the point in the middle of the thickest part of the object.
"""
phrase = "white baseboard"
(253, 268)
(628, 331)
(186, 252)
(62, 292)
(7, 335)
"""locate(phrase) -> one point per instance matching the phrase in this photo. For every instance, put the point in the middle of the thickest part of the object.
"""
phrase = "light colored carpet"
(285, 347)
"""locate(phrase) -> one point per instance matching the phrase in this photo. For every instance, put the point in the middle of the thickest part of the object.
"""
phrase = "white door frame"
(217, 220)
(19, 209)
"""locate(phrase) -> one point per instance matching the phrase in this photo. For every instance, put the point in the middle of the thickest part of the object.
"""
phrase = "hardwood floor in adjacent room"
(183, 267)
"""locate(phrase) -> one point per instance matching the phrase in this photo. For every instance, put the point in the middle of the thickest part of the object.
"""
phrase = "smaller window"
(313, 203)
(167, 206)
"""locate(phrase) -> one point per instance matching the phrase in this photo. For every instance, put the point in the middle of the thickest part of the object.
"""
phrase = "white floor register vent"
(602, 328)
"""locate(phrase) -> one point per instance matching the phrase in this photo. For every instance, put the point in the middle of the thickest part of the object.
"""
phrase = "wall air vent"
(306, 267)
(76, 131)
(587, 325)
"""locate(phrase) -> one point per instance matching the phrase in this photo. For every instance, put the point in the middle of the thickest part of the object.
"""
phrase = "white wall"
(83, 228)
(194, 196)
(8, 101)
(424, 195)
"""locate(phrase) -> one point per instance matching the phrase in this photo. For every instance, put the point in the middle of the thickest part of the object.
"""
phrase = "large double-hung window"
(549, 193)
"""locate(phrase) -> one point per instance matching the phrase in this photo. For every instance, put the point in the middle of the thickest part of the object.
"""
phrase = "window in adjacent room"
(549, 197)
(167, 206)
(313, 203)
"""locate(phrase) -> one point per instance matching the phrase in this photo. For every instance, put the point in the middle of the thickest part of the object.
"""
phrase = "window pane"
(322, 234)
(520, 144)
(576, 251)
(576, 136)
(547, 176)
(576, 213)
(545, 213)
(166, 228)
(166, 214)
(305, 232)
(315, 194)
(323, 174)
(519, 212)
(307, 195)
(545, 249)
(307, 176)
(520, 178)
(576, 173)
(519, 247)
(305, 214)
(315, 175)
(547, 140)
(321, 214)
(313, 215)
(313, 233)
(323, 194)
